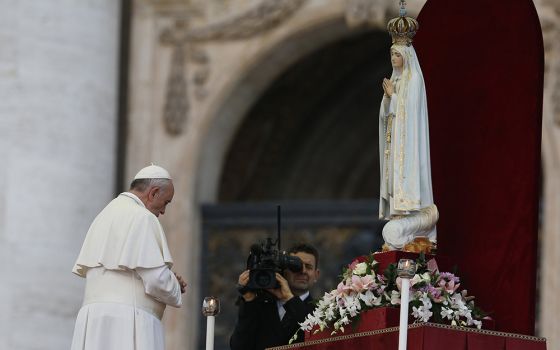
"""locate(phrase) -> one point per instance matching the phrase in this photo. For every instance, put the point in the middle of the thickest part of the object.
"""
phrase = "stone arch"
(245, 90)
(313, 134)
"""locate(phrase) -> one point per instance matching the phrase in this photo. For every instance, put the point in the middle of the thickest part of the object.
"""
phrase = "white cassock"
(127, 265)
(406, 182)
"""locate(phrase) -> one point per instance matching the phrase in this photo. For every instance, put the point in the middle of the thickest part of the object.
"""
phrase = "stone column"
(549, 306)
(58, 103)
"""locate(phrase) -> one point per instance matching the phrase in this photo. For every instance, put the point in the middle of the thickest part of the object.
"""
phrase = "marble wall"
(58, 103)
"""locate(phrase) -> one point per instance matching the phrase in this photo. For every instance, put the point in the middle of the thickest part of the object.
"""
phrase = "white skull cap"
(152, 172)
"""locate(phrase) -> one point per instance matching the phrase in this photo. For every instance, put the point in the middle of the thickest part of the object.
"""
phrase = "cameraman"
(270, 318)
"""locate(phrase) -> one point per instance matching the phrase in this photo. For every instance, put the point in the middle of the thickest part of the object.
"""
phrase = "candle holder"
(406, 268)
(210, 306)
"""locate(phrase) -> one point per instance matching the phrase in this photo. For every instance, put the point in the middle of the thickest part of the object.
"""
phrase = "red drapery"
(483, 67)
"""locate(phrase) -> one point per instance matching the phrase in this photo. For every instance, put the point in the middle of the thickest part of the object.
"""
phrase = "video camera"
(266, 259)
(263, 263)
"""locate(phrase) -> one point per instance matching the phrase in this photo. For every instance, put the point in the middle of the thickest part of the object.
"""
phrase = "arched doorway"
(313, 135)
(309, 143)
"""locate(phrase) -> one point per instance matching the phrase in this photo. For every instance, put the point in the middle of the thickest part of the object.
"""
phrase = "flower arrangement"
(434, 296)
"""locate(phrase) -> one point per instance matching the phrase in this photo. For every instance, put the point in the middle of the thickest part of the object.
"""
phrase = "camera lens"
(263, 279)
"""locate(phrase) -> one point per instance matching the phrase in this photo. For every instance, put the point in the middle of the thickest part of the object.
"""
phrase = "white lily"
(370, 299)
(446, 313)
(360, 269)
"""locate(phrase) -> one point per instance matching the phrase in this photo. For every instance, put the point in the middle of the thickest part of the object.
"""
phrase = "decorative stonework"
(176, 100)
(265, 16)
(184, 41)
(375, 13)
(368, 12)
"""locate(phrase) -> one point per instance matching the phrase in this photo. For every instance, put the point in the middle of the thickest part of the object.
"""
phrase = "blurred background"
(248, 104)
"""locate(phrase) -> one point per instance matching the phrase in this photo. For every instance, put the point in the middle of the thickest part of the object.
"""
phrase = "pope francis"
(127, 266)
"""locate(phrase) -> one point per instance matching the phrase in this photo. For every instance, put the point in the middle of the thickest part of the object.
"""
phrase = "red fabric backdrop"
(483, 67)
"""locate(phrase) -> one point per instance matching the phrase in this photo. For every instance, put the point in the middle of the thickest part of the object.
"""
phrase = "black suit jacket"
(259, 325)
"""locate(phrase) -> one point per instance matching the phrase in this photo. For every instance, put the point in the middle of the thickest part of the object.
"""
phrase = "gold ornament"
(403, 28)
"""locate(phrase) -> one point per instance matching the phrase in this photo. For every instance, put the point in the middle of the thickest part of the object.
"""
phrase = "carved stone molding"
(265, 16)
(186, 49)
(368, 12)
(376, 13)
(176, 100)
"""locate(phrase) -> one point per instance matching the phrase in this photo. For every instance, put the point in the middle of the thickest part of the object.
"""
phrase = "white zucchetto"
(152, 172)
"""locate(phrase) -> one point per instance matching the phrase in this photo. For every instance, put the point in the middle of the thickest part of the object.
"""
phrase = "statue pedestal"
(425, 336)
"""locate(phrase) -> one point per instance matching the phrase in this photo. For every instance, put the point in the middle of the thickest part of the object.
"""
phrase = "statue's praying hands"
(388, 87)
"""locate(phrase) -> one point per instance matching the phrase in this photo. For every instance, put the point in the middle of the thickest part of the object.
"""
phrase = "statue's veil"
(413, 180)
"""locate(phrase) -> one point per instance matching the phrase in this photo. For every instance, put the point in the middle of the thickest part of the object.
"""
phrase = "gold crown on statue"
(403, 28)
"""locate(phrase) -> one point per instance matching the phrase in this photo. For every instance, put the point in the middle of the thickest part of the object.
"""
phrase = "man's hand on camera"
(283, 293)
(242, 282)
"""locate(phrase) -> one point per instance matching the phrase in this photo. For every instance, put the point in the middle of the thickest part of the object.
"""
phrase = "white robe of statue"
(406, 184)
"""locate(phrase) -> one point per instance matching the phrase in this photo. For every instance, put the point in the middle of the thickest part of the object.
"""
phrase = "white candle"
(403, 326)
(210, 308)
(210, 321)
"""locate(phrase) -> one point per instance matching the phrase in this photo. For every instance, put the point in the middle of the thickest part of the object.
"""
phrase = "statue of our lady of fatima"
(406, 197)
